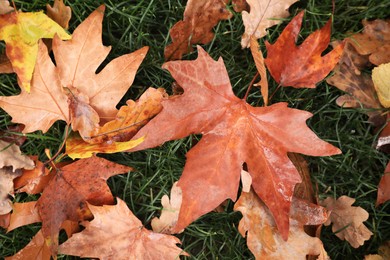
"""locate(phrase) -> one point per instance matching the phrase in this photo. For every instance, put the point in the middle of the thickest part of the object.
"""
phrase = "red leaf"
(303, 65)
(233, 133)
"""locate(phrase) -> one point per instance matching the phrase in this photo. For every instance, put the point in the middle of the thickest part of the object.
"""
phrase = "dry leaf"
(200, 16)
(5, 64)
(36, 249)
(240, 5)
(347, 220)
(263, 238)
(5, 7)
(263, 14)
(384, 187)
(23, 214)
(374, 41)
(381, 79)
(21, 32)
(233, 133)
(11, 156)
(170, 212)
(301, 66)
(33, 181)
(4, 220)
(60, 13)
(115, 233)
(259, 62)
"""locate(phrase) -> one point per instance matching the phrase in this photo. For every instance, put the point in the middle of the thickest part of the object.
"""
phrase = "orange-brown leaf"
(263, 238)
(5, 64)
(60, 13)
(200, 16)
(233, 133)
(23, 214)
(347, 220)
(301, 66)
(36, 249)
(33, 181)
(374, 41)
(384, 187)
(116, 233)
(66, 195)
(259, 62)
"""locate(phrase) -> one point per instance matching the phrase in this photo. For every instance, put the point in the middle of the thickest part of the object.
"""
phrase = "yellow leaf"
(21, 32)
(381, 78)
(76, 147)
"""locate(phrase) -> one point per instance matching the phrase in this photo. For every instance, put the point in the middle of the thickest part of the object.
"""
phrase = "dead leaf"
(262, 15)
(6, 188)
(21, 32)
(374, 41)
(233, 133)
(11, 156)
(384, 187)
(60, 13)
(13, 134)
(347, 220)
(259, 62)
(4, 220)
(301, 66)
(36, 249)
(5, 7)
(66, 195)
(381, 79)
(76, 64)
(5, 64)
(358, 86)
(240, 5)
(200, 16)
(76, 147)
(263, 239)
(23, 214)
(116, 233)
(33, 181)
(170, 212)
(383, 253)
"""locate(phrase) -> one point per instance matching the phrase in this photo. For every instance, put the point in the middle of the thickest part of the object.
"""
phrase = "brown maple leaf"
(200, 16)
(384, 187)
(303, 65)
(35, 249)
(262, 15)
(347, 220)
(358, 85)
(374, 41)
(66, 195)
(233, 133)
(263, 239)
(60, 13)
(33, 181)
(23, 214)
(115, 233)
(74, 78)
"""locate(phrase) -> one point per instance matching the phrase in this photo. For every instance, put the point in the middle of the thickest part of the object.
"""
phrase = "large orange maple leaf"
(234, 133)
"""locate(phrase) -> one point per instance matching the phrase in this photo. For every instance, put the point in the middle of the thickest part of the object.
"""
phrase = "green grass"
(129, 25)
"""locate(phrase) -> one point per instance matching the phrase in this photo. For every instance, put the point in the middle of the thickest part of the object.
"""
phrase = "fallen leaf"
(262, 15)
(347, 220)
(5, 64)
(383, 143)
(358, 86)
(76, 147)
(21, 32)
(36, 249)
(170, 212)
(200, 16)
(11, 156)
(240, 5)
(74, 76)
(383, 253)
(33, 181)
(60, 13)
(233, 133)
(23, 214)
(374, 41)
(66, 195)
(384, 187)
(5, 7)
(301, 66)
(13, 134)
(116, 233)
(259, 62)
(263, 239)
(6, 188)
(4, 220)
(381, 79)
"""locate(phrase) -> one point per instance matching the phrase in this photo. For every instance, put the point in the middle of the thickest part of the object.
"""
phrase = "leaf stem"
(250, 86)
(61, 147)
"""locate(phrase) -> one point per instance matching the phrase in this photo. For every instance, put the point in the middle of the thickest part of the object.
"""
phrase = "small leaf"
(60, 13)
(381, 79)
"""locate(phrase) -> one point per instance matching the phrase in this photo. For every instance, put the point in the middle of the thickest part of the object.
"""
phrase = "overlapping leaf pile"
(239, 141)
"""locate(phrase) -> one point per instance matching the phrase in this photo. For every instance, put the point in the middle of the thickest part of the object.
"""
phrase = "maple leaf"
(33, 181)
(23, 214)
(65, 196)
(36, 249)
(359, 86)
(60, 13)
(21, 32)
(347, 220)
(200, 16)
(116, 233)
(262, 15)
(303, 65)
(384, 187)
(374, 41)
(5, 7)
(262, 237)
(233, 133)
(74, 79)
(381, 79)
